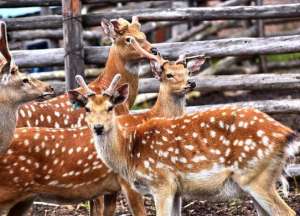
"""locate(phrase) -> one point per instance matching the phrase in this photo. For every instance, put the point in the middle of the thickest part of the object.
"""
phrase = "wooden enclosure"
(251, 42)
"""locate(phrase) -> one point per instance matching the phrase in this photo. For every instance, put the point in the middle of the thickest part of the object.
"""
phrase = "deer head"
(174, 75)
(99, 107)
(23, 88)
(127, 37)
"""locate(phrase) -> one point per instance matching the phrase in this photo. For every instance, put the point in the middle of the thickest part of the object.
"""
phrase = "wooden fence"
(74, 55)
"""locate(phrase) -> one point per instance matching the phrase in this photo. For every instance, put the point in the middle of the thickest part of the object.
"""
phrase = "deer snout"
(191, 85)
(154, 51)
(98, 128)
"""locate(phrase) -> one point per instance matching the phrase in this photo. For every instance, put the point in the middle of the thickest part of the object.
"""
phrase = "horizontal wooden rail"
(161, 14)
(46, 3)
(234, 82)
(268, 106)
(214, 48)
(227, 82)
(50, 34)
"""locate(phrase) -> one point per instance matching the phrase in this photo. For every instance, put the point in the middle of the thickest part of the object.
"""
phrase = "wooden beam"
(46, 3)
(230, 82)
(73, 43)
(161, 14)
(267, 106)
(49, 34)
(260, 32)
(213, 48)
(233, 82)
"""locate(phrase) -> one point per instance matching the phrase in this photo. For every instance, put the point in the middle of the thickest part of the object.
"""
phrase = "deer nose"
(98, 128)
(192, 84)
(154, 51)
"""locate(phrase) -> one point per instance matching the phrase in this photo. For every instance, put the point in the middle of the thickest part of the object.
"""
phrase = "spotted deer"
(60, 165)
(215, 154)
(129, 46)
(15, 90)
(128, 49)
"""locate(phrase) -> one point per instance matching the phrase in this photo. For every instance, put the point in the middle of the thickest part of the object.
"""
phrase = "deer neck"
(116, 64)
(114, 148)
(8, 118)
(167, 104)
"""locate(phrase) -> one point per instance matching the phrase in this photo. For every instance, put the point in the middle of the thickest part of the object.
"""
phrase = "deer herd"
(84, 145)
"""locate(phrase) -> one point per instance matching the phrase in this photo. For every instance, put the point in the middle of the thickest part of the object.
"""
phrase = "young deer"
(15, 89)
(37, 156)
(215, 154)
(129, 46)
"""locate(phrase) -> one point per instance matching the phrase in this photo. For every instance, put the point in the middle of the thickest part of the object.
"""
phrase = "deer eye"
(128, 40)
(110, 108)
(170, 76)
(25, 80)
(87, 109)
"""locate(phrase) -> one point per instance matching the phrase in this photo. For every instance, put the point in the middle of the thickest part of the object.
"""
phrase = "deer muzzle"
(98, 129)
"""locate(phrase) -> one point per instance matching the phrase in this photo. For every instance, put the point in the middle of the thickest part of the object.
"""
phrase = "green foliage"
(283, 57)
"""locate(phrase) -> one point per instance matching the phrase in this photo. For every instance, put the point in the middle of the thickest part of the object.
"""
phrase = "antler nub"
(110, 90)
(83, 84)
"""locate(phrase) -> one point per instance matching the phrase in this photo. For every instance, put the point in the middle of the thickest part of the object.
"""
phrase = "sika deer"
(15, 89)
(216, 154)
(60, 164)
(129, 46)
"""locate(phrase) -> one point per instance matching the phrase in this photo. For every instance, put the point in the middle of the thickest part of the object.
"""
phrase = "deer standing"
(60, 165)
(129, 46)
(128, 49)
(15, 89)
(215, 154)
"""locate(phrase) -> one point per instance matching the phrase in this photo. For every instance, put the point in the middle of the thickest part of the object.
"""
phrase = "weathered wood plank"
(267, 106)
(45, 3)
(73, 42)
(233, 82)
(230, 82)
(213, 48)
(56, 34)
(159, 14)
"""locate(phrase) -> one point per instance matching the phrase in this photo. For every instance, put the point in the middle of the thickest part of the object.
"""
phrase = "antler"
(197, 56)
(134, 19)
(181, 58)
(83, 84)
(4, 42)
(110, 90)
(143, 52)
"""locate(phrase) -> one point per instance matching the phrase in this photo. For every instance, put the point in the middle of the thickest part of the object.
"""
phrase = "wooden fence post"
(73, 41)
(260, 31)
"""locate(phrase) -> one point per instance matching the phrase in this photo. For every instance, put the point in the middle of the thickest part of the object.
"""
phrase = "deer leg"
(134, 199)
(110, 201)
(20, 208)
(270, 201)
(163, 204)
(259, 210)
(177, 203)
(97, 206)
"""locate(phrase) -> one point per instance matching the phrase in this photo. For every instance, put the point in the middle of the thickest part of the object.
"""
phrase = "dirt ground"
(191, 208)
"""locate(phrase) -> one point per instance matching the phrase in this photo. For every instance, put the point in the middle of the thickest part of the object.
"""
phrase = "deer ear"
(194, 65)
(121, 94)
(156, 69)
(77, 99)
(108, 28)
